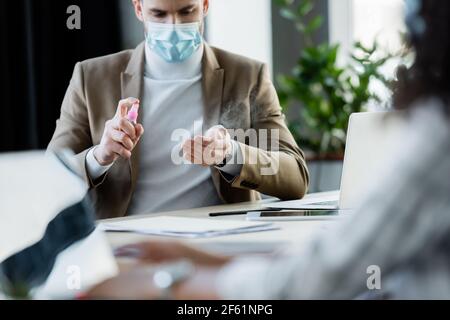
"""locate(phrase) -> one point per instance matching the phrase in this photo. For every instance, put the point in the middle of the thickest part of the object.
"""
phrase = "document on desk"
(316, 201)
(186, 227)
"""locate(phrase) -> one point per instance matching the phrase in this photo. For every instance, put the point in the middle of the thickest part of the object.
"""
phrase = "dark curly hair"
(430, 74)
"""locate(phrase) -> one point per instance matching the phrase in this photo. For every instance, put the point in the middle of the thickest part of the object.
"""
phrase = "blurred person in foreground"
(403, 228)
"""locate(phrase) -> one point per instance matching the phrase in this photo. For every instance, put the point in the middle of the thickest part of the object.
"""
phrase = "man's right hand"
(120, 136)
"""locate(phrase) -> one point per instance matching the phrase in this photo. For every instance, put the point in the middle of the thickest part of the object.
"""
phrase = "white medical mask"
(174, 42)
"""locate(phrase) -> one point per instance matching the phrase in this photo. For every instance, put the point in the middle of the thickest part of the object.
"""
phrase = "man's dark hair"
(430, 74)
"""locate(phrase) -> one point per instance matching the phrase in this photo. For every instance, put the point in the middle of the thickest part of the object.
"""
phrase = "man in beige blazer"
(237, 93)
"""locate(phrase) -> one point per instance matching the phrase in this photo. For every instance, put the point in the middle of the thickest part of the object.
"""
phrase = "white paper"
(317, 201)
(185, 227)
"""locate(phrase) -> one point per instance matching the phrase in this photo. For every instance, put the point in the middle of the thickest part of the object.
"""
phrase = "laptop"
(370, 137)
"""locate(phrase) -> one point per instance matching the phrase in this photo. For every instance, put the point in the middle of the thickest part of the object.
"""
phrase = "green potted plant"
(327, 93)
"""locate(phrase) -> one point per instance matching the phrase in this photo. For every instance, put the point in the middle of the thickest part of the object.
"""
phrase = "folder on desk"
(185, 227)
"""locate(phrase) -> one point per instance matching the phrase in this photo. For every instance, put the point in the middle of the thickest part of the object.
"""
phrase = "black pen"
(237, 213)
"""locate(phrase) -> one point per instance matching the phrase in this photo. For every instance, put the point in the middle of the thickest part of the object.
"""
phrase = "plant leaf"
(305, 7)
(315, 24)
(288, 14)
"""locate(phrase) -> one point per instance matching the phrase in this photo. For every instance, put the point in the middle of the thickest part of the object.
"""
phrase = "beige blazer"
(238, 94)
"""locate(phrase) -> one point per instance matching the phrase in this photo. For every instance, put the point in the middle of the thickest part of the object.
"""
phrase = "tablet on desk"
(293, 215)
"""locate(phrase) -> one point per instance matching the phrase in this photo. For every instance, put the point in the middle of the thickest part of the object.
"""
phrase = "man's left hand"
(210, 149)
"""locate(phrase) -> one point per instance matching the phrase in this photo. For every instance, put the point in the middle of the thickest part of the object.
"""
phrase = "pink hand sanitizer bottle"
(133, 113)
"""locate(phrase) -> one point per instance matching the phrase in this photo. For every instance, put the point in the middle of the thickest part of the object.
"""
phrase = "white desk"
(292, 232)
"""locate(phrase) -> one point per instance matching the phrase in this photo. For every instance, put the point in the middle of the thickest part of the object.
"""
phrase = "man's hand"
(165, 251)
(136, 283)
(120, 136)
(208, 150)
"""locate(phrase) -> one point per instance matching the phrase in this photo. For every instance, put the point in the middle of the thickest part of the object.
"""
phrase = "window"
(367, 21)
(380, 20)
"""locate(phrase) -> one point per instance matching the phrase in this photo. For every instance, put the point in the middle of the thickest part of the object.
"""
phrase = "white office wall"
(243, 27)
